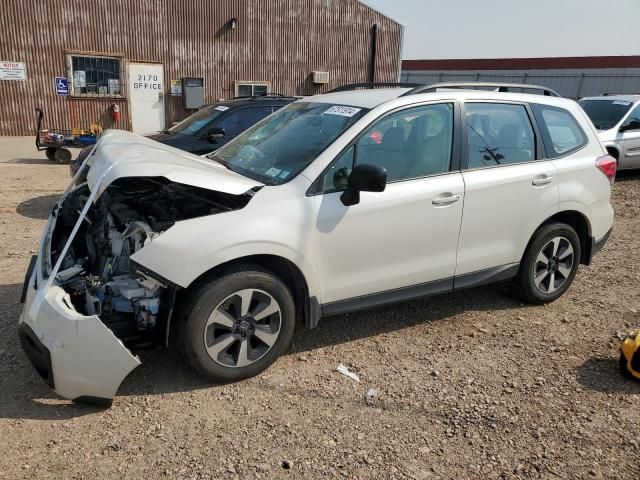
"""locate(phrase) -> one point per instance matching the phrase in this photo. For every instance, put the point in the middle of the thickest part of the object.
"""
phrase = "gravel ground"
(470, 385)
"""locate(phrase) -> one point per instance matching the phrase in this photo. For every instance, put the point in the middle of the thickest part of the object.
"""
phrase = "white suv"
(335, 203)
(617, 119)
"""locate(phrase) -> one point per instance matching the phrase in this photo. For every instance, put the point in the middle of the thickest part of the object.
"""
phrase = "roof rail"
(609, 94)
(370, 85)
(500, 87)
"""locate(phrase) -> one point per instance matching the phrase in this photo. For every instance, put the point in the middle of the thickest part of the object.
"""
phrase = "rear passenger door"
(510, 187)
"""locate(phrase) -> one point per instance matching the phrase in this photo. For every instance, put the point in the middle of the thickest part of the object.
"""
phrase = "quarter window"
(498, 134)
(561, 132)
(91, 76)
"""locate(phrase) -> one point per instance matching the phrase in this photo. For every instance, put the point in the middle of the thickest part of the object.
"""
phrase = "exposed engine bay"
(96, 270)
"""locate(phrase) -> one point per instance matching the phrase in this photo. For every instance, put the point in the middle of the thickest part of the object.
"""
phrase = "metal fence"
(568, 83)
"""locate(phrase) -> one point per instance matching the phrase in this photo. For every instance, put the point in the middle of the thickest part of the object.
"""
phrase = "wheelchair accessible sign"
(62, 86)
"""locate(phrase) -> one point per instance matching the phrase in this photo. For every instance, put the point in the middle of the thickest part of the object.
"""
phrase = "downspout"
(374, 47)
(400, 49)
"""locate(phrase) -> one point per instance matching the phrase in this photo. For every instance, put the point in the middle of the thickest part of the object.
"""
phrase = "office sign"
(13, 71)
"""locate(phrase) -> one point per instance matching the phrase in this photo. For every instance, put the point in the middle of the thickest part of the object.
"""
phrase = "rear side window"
(498, 134)
(560, 130)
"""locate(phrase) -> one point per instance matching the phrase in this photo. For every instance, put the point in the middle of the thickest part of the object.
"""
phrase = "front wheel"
(550, 264)
(238, 324)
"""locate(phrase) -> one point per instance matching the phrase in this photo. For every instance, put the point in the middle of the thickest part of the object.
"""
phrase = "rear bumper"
(597, 245)
(77, 355)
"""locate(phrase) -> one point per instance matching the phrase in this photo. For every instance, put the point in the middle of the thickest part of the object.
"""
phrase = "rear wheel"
(238, 324)
(550, 264)
(51, 153)
(62, 155)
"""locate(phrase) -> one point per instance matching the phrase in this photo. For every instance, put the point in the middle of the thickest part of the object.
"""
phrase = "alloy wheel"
(242, 328)
(553, 265)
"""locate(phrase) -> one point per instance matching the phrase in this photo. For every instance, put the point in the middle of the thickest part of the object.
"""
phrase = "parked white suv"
(617, 119)
(335, 203)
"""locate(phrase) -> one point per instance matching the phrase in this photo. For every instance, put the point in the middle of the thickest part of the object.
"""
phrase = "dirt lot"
(471, 385)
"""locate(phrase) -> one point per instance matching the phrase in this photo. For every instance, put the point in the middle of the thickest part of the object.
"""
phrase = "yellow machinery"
(630, 356)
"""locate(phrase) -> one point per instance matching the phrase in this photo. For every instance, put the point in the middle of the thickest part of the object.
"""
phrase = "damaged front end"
(96, 270)
(86, 302)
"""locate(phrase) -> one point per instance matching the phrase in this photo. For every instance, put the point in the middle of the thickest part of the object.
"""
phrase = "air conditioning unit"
(320, 77)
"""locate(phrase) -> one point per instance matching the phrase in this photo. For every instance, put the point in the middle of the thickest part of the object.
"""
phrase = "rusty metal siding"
(279, 41)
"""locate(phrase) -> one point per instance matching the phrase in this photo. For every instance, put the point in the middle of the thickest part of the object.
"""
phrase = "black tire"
(205, 298)
(50, 152)
(63, 155)
(525, 281)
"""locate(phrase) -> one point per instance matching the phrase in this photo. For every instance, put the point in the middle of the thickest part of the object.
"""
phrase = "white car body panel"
(69, 336)
(121, 154)
(502, 210)
(387, 241)
(280, 226)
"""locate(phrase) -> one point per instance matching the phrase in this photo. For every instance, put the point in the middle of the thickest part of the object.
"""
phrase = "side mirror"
(215, 133)
(363, 178)
(632, 125)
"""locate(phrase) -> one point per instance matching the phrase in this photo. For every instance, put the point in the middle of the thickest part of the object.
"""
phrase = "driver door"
(400, 243)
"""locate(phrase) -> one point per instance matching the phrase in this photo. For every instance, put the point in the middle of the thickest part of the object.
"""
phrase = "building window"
(251, 89)
(95, 76)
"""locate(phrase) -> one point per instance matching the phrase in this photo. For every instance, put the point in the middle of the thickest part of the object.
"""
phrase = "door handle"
(541, 180)
(445, 199)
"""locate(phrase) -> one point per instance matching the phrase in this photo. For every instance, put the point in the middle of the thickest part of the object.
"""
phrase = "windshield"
(605, 114)
(194, 123)
(281, 146)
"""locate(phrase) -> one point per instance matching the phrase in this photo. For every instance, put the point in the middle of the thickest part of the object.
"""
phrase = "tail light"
(607, 165)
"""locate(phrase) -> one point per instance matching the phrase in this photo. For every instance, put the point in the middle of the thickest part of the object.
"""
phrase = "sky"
(438, 29)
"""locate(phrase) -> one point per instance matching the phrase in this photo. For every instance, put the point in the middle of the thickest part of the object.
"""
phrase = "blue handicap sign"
(62, 86)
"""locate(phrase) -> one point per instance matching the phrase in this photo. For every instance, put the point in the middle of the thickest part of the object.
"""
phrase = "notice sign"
(62, 86)
(176, 87)
(13, 71)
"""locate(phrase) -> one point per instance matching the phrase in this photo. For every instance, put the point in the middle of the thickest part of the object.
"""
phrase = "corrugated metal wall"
(571, 83)
(278, 41)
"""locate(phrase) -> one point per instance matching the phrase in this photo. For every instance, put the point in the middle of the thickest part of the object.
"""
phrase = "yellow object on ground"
(630, 356)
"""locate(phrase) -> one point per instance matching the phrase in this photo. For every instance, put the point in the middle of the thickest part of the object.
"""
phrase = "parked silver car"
(617, 118)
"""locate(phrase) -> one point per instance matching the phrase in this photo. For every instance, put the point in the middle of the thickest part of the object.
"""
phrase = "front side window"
(498, 134)
(94, 76)
(560, 130)
(605, 114)
(634, 116)
(413, 143)
(279, 147)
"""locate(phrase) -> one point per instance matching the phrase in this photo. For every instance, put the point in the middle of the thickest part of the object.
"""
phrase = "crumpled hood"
(123, 154)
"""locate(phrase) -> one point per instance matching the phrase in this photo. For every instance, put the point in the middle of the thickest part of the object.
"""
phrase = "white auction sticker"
(342, 111)
(272, 172)
(618, 102)
(221, 108)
